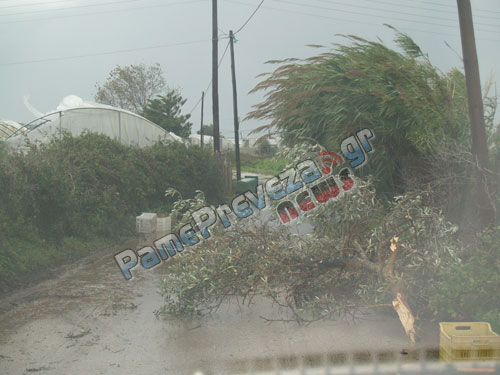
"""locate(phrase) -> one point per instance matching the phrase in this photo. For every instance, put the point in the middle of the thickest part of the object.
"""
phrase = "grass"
(258, 164)
(265, 166)
(30, 256)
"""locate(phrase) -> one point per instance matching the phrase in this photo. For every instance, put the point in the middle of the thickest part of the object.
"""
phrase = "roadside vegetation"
(61, 199)
(266, 165)
(408, 241)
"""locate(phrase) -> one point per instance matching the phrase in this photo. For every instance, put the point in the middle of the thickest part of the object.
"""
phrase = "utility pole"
(476, 110)
(235, 109)
(215, 76)
(201, 122)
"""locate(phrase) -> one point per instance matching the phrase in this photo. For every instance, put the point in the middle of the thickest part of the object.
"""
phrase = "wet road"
(89, 320)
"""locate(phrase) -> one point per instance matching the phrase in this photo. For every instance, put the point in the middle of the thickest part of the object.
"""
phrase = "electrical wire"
(249, 18)
(222, 31)
(454, 7)
(402, 13)
(210, 84)
(350, 21)
(103, 53)
(225, 51)
(35, 4)
(70, 8)
(103, 12)
(372, 15)
(429, 9)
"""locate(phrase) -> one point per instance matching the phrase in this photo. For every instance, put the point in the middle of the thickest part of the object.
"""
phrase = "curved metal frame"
(8, 129)
(27, 128)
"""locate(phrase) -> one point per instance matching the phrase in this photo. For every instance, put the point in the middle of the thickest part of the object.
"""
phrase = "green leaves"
(337, 269)
(93, 185)
(412, 107)
(165, 111)
(407, 44)
(468, 291)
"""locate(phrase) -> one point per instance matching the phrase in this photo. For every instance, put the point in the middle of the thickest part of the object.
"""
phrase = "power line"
(350, 21)
(430, 9)
(210, 84)
(103, 12)
(249, 18)
(44, 3)
(400, 12)
(102, 53)
(454, 7)
(372, 15)
(225, 51)
(70, 8)
(222, 31)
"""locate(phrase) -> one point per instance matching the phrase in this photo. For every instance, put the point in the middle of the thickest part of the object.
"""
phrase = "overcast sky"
(53, 48)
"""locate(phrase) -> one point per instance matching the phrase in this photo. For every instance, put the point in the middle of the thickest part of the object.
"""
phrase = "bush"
(468, 291)
(92, 186)
(265, 148)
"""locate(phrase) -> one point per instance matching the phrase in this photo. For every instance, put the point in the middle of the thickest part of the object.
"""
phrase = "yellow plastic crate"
(471, 341)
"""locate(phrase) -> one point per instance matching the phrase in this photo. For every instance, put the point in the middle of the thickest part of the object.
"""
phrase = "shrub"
(468, 291)
(92, 186)
(265, 148)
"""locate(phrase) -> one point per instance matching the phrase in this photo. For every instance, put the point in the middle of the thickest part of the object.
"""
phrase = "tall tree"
(412, 107)
(131, 87)
(165, 111)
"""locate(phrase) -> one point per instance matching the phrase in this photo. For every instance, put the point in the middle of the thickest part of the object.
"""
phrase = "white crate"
(146, 223)
(163, 224)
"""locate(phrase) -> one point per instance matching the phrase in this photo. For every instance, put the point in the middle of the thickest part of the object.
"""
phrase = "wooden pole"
(215, 77)
(235, 109)
(201, 122)
(476, 110)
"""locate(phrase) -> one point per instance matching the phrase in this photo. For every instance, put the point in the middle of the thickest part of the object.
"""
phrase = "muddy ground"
(89, 320)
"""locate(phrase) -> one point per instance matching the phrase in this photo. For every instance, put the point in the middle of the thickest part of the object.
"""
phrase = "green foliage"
(345, 265)
(412, 107)
(92, 186)
(183, 208)
(468, 291)
(165, 111)
(32, 255)
(269, 166)
(492, 128)
(265, 148)
(207, 130)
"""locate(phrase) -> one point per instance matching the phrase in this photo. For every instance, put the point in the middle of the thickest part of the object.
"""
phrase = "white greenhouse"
(127, 127)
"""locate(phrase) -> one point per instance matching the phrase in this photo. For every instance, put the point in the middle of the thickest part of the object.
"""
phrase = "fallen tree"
(362, 255)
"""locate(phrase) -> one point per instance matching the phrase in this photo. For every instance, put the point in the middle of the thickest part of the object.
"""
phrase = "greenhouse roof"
(76, 116)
